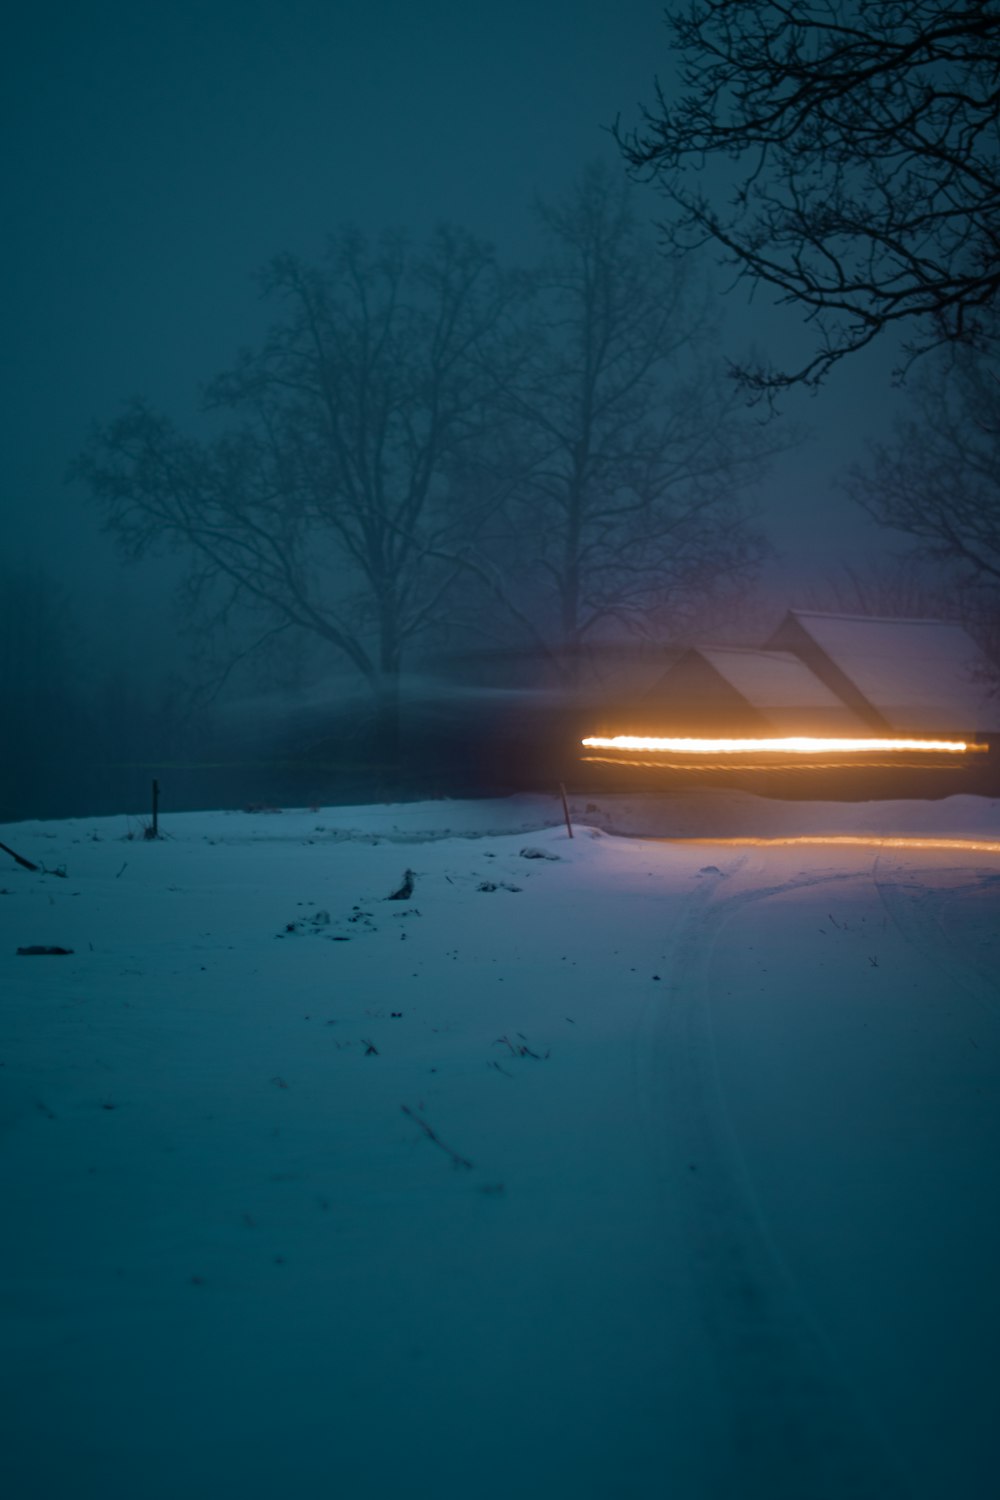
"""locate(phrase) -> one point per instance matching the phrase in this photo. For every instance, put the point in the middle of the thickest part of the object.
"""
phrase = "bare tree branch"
(937, 482)
(327, 498)
(632, 494)
(860, 142)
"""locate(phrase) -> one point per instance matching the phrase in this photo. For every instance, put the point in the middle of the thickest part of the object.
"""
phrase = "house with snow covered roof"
(829, 674)
(744, 691)
(820, 677)
(912, 677)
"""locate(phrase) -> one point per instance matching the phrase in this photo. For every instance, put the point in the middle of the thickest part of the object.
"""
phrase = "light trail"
(851, 840)
(788, 745)
(802, 764)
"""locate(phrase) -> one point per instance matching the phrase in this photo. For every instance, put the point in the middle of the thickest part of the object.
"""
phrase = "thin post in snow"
(156, 811)
(569, 825)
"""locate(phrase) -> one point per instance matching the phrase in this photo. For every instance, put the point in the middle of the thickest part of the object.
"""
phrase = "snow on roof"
(921, 675)
(782, 687)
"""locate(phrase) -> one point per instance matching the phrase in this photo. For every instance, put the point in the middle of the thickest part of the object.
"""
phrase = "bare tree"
(938, 481)
(325, 505)
(860, 141)
(631, 504)
(900, 587)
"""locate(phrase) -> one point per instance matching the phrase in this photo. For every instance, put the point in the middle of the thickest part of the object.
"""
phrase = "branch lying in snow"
(458, 1161)
(25, 863)
(518, 1050)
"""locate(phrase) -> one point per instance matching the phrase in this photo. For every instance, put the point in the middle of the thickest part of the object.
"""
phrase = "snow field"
(670, 1171)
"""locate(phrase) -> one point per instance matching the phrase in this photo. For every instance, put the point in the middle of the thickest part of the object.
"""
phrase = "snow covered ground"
(603, 1167)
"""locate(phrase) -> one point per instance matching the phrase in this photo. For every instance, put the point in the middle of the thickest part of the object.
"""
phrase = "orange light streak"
(789, 745)
(867, 840)
(801, 764)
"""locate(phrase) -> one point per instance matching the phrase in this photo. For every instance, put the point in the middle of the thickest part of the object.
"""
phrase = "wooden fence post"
(562, 793)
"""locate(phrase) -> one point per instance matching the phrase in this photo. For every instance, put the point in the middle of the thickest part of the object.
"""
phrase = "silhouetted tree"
(937, 482)
(627, 501)
(325, 504)
(902, 587)
(858, 168)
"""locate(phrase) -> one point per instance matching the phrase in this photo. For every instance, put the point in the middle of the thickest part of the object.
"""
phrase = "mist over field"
(202, 171)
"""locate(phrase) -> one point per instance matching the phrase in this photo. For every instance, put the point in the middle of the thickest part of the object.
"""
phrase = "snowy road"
(603, 1168)
(848, 1200)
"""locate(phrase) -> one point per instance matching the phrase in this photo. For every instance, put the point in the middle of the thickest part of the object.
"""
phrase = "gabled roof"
(744, 690)
(919, 676)
(781, 687)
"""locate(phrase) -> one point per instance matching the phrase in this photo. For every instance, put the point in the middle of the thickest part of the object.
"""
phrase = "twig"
(518, 1050)
(25, 863)
(459, 1161)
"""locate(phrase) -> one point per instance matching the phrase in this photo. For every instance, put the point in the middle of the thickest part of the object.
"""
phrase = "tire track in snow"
(791, 1428)
(913, 908)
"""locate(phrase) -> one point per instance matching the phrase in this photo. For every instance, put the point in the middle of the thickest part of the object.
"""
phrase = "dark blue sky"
(159, 151)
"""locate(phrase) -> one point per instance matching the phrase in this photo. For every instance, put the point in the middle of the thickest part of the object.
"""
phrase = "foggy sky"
(160, 151)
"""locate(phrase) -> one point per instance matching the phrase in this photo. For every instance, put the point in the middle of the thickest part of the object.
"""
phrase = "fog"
(159, 155)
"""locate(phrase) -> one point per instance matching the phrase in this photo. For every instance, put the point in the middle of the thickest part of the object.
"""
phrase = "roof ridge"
(830, 614)
(749, 650)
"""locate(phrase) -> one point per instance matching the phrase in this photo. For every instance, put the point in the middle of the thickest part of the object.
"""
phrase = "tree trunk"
(387, 726)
